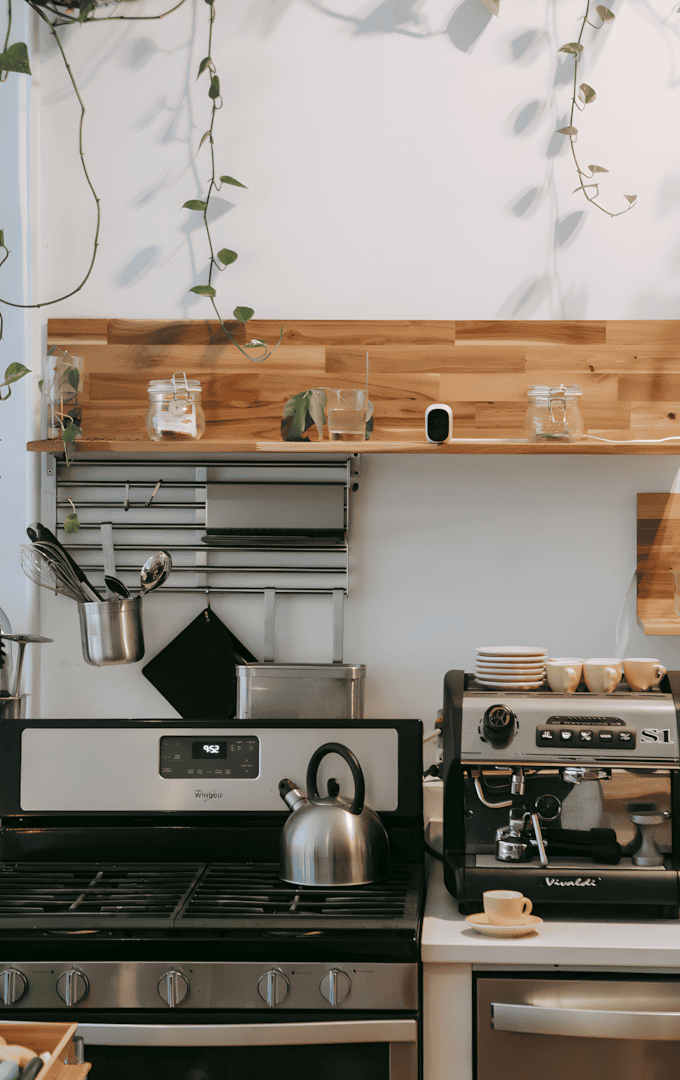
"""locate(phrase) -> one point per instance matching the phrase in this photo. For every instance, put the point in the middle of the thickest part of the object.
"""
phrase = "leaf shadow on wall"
(467, 24)
(388, 17)
(139, 266)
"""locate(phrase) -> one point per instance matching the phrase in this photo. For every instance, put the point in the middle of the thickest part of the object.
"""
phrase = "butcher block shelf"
(658, 549)
(628, 371)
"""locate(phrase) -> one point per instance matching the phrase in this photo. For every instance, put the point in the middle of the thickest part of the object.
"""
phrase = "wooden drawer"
(57, 1038)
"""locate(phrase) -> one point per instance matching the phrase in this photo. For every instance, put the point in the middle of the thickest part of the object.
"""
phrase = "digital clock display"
(209, 748)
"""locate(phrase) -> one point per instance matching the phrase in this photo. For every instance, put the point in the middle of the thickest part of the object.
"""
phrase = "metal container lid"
(301, 671)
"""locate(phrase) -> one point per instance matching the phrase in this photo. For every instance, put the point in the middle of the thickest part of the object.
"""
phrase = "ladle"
(155, 571)
(115, 586)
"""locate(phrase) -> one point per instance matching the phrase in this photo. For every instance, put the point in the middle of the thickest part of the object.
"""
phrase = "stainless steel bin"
(300, 691)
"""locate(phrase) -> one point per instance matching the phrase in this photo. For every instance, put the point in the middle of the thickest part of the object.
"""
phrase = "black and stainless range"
(571, 799)
(140, 895)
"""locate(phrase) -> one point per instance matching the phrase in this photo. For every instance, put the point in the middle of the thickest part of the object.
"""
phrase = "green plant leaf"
(317, 405)
(194, 204)
(605, 14)
(586, 93)
(597, 168)
(204, 137)
(70, 433)
(71, 524)
(230, 180)
(567, 131)
(207, 62)
(73, 377)
(226, 256)
(203, 290)
(15, 59)
(40, 384)
(574, 47)
(243, 314)
(214, 91)
(2, 237)
(296, 419)
(15, 372)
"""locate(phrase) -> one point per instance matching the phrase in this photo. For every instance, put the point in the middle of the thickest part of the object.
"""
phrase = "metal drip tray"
(490, 862)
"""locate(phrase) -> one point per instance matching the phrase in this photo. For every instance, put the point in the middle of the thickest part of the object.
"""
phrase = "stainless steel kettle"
(329, 840)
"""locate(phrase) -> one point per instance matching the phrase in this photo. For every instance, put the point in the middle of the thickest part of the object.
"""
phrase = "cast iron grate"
(94, 895)
(238, 894)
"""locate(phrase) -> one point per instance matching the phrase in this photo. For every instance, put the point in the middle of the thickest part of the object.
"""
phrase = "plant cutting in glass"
(14, 58)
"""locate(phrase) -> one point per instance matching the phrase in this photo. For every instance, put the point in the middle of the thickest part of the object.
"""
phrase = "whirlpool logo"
(207, 795)
(579, 882)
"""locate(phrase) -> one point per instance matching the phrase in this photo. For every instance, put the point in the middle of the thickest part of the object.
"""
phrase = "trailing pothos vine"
(15, 58)
(225, 256)
(586, 95)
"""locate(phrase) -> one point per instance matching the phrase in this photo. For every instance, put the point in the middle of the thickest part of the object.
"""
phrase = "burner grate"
(231, 894)
(94, 895)
(186, 896)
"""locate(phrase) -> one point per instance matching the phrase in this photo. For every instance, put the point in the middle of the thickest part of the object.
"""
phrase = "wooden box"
(57, 1038)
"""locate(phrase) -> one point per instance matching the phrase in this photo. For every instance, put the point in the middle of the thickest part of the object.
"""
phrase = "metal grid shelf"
(270, 527)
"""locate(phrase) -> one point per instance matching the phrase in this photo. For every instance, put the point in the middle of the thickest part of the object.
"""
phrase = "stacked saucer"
(510, 667)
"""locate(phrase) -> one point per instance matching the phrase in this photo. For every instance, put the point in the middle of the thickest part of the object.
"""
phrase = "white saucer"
(494, 684)
(526, 925)
(523, 675)
(510, 650)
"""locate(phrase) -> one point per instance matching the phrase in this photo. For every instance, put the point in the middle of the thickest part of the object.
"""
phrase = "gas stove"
(137, 876)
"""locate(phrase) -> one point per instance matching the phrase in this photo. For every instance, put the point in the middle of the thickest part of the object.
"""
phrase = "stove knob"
(13, 986)
(273, 988)
(72, 987)
(335, 987)
(173, 987)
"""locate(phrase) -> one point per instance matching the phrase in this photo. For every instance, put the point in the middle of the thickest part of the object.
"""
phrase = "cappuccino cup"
(503, 907)
(602, 676)
(642, 673)
(563, 674)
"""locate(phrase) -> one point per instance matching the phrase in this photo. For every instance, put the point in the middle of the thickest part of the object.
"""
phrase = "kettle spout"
(291, 795)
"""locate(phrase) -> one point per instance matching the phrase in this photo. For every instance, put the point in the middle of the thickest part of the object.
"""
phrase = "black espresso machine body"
(571, 799)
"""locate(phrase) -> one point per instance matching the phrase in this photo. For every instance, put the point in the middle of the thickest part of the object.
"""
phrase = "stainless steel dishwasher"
(583, 1026)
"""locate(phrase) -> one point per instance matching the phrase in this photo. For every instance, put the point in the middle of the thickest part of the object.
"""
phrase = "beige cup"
(642, 673)
(564, 674)
(503, 907)
(602, 676)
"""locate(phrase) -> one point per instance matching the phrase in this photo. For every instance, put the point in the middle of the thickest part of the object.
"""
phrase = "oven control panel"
(217, 757)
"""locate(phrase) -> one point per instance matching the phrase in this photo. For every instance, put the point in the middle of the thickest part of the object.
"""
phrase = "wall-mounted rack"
(231, 525)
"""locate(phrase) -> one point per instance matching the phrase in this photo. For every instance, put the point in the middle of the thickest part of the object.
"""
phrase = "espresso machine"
(570, 799)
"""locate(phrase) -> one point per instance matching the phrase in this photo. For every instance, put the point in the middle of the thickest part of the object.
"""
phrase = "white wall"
(390, 151)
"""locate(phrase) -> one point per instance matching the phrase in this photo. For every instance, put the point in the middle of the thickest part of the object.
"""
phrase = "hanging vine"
(15, 58)
(225, 256)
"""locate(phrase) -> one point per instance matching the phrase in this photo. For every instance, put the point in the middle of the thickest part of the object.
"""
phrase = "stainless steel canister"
(13, 708)
(111, 632)
(300, 691)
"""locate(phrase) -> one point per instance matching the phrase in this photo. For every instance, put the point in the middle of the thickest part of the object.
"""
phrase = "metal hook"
(153, 493)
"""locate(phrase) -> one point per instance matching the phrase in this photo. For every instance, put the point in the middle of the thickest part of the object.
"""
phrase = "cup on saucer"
(504, 907)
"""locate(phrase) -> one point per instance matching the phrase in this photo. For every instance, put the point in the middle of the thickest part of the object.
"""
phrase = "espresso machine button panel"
(586, 733)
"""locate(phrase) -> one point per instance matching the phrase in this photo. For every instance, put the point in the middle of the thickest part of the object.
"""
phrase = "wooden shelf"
(376, 445)
(658, 549)
(628, 371)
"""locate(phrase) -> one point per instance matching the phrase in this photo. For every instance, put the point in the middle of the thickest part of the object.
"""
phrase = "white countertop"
(612, 942)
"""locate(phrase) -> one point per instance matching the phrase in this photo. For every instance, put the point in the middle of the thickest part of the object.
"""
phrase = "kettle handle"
(357, 774)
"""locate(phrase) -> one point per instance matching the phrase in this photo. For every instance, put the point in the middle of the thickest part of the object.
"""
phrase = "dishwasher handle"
(585, 1023)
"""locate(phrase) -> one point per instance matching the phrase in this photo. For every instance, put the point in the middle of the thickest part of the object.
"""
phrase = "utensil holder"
(13, 708)
(111, 632)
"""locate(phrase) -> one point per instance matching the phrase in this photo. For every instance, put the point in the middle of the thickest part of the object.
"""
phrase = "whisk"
(51, 572)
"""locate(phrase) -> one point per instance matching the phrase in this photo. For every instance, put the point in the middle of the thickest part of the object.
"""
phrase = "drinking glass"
(347, 412)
